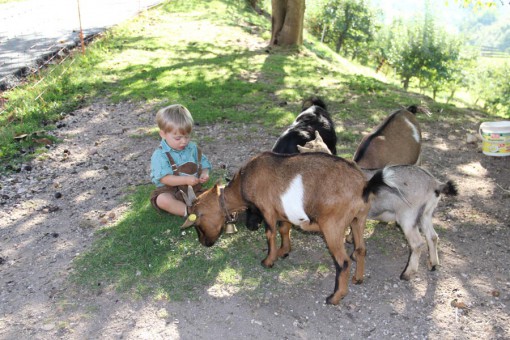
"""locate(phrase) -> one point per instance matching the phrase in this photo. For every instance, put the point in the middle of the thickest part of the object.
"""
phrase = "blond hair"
(175, 118)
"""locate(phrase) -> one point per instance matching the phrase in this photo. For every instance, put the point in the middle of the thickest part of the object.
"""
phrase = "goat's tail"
(373, 185)
(449, 189)
(314, 100)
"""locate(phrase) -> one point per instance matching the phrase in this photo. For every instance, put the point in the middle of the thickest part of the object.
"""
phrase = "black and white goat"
(409, 198)
(314, 117)
(285, 189)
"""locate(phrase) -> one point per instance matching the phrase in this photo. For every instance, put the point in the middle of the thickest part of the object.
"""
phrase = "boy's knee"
(164, 200)
(168, 203)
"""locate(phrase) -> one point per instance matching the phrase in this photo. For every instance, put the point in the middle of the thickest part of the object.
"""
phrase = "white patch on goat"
(305, 134)
(416, 133)
(293, 202)
(390, 178)
(324, 122)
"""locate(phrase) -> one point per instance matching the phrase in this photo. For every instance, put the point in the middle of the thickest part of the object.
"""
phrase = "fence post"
(81, 29)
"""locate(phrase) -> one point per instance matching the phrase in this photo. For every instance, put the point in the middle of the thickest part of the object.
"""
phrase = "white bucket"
(495, 138)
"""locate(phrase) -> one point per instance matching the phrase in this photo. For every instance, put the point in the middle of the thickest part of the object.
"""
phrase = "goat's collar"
(229, 217)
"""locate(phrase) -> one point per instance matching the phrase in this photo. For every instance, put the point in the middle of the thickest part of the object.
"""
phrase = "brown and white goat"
(285, 189)
(409, 198)
(397, 140)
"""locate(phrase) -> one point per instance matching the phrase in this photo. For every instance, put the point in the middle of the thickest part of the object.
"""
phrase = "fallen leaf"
(11, 118)
(458, 304)
(43, 141)
(21, 136)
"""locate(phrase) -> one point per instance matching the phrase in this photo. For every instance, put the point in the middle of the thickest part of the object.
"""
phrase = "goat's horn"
(190, 221)
(424, 110)
(191, 194)
(318, 136)
(190, 197)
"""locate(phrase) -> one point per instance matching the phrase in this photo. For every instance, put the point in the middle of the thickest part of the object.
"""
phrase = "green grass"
(194, 52)
(146, 254)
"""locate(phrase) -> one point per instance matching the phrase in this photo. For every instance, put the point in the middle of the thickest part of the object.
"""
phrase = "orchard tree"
(348, 26)
(353, 26)
(461, 71)
(495, 89)
(480, 3)
(403, 51)
(440, 53)
(422, 51)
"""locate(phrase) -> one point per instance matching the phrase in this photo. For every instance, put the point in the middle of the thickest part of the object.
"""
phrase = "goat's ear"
(303, 149)
(318, 136)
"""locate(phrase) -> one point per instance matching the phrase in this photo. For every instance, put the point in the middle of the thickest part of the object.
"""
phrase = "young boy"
(177, 161)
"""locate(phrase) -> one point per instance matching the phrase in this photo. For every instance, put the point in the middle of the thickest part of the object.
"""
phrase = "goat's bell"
(230, 228)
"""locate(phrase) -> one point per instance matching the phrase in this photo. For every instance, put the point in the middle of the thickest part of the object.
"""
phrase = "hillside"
(481, 27)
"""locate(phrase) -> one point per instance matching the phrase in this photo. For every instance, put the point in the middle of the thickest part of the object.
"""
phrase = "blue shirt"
(160, 165)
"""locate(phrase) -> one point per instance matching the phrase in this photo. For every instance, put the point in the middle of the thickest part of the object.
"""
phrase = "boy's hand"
(192, 180)
(204, 178)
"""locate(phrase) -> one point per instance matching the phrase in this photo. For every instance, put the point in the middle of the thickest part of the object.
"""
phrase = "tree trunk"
(339, 43)
(405, 83)
(287, 22)
(323, 33)
(452, 94)
(381, 64)
(347, 27)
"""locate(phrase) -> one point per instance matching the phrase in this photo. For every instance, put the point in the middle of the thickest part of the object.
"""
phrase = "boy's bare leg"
(170, 204)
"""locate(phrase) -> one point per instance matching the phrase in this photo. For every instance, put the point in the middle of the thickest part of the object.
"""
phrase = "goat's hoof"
(267, 265)
(357, 281)
(283, 253)
(331, 301)
(353, 257)
(432, 267)
(405, 276)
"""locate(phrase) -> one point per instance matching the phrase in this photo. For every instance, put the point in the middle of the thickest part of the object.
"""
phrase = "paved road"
(31, 30)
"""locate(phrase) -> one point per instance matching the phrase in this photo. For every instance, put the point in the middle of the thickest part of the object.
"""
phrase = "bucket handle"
(480, 131)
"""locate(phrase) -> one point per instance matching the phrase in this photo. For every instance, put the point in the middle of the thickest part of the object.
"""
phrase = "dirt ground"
(50, 209)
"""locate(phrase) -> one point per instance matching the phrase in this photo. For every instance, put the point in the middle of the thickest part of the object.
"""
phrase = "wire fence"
(493, 52)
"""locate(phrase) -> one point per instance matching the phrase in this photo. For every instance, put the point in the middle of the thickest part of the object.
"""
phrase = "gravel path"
(50, 209)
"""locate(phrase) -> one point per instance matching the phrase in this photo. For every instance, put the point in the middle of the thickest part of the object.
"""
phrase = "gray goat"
(410, 198)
